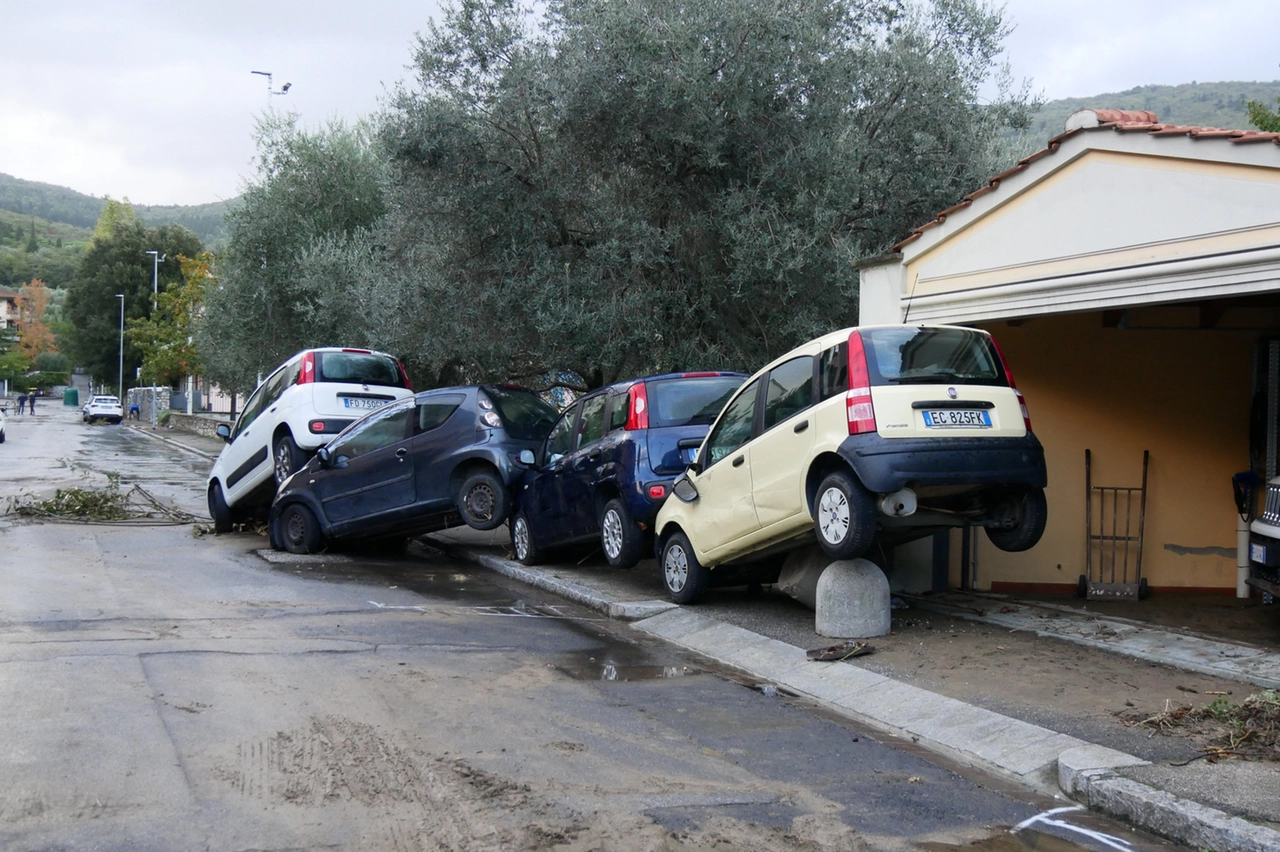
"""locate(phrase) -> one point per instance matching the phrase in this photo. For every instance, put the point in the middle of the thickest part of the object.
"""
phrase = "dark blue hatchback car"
(438, 459)
(608, 463)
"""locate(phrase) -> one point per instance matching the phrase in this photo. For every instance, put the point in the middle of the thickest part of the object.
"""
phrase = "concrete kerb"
(171, 442)
(1038, 757)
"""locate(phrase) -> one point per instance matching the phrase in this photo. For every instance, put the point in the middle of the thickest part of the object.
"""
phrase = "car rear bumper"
(886, 465)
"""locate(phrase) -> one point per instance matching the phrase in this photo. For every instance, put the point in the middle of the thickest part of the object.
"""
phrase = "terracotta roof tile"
(1118, 120)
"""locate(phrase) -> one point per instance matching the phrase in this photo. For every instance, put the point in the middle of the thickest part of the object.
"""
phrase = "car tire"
(621, 538)
(523, 546)
(682, 574)
(1, 436)
(219, 510)
(299, 529)
(1032, 513)
(483, 500)
(287, 458)
(844, 516)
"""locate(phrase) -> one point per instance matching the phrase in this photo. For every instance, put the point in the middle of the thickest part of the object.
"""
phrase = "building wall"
(1182, 393)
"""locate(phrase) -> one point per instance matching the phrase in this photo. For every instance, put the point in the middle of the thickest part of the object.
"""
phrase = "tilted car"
(609, 461)
(297, 409)
(442, 458)
(893, 432)
(102, 407)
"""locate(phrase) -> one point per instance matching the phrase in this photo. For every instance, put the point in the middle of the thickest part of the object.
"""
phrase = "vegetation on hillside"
(60, 204)
(1201, 104)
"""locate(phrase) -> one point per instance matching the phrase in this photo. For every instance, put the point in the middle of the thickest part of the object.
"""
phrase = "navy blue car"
(608, 463)
(438, 459)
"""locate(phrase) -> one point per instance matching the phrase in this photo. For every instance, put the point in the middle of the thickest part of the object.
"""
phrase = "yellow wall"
(1183, 394)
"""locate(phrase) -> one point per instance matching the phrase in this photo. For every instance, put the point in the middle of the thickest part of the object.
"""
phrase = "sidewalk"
(1150, 793)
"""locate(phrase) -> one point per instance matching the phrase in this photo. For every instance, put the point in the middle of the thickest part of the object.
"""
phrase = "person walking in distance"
(22, 402)
(31, 403)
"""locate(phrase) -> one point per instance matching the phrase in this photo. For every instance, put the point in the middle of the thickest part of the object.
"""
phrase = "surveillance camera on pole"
(284, 90)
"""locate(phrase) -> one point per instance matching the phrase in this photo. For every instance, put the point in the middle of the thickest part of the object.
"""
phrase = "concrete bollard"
(852, 600)
(800, 573)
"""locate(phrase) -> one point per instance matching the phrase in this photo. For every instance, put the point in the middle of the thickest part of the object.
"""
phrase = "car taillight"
(317, 426)
(488, 414)
(1008, 374)
(657, 492)
(404, 377)
(308, 372)
(857, 401)
(637, 407)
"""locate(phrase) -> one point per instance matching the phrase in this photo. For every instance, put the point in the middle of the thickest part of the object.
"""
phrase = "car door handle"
(739, 460)
(801, 426)
(402, 452)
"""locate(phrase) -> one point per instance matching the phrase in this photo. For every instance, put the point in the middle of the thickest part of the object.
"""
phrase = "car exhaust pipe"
(899, 504)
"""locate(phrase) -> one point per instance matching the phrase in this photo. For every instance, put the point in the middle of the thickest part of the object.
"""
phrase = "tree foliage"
(34, 335)
(629, 187)
(116, 262)
(164, 339)
(1265, 119)
(606, 188)
(275, 293)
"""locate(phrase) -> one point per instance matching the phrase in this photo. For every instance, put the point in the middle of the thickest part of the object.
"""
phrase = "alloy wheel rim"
(675, 567)
(522, 539)
(282, 463)
(611, 531)
(833, 515)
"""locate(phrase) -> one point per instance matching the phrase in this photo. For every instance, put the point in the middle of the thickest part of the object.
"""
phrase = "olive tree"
(275, 293)
(609, 188)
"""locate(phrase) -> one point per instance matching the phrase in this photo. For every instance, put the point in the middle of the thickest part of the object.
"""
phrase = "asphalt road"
(167, 690)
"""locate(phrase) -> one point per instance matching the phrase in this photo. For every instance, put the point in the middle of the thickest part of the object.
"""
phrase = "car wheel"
(1, 436)
(620, 538)
(682, 573)
(844, 516)
(483, 500)
(1031, 512)
(522, 544)
(299, 529)
(219, 510)
(288, 458)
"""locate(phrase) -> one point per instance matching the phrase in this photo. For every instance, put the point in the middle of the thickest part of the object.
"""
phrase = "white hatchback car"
(889, 432)
(103, 407)
(296, 410)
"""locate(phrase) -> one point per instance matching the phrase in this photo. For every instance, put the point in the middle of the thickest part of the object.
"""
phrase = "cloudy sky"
(155, 101)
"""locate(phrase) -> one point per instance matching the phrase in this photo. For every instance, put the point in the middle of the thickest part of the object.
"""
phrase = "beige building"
(1131, 273)
(9, 308)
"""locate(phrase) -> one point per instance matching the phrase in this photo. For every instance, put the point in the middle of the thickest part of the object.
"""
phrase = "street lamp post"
(284, 90)
(120, 380)
(156, 257)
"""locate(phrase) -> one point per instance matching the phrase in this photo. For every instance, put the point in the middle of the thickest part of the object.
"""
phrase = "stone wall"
(200, 424)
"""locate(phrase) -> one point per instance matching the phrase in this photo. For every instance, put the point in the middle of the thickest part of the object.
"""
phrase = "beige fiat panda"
(893, 432)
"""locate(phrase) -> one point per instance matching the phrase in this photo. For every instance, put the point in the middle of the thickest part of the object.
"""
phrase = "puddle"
(1063, 829)
(621, 663)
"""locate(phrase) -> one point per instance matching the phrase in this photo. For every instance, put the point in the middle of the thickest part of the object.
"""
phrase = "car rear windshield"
(922, 356)
(358, 368)
(524, 414)
(689, 401)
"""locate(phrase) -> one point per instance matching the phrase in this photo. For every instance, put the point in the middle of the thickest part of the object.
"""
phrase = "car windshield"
(689, 401)
(359, 368)
(524, 414)
(915, 355)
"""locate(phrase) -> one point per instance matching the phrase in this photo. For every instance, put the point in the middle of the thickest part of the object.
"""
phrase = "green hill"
(60, 204)
(1201, 104)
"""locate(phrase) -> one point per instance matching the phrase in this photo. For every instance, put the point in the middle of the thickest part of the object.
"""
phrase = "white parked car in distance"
(297, 409)
(103, 407)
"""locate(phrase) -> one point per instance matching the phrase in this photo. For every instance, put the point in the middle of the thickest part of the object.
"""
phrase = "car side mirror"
(326, 457)
(527, 458)
(684, 489)
(224, 432)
